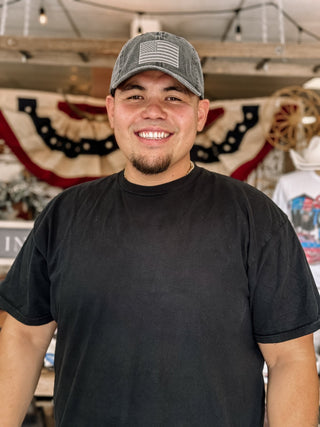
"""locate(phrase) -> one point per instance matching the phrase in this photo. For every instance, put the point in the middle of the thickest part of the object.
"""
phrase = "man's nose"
(154, 110)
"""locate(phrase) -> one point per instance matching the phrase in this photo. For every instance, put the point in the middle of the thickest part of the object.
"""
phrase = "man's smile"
(153, 134)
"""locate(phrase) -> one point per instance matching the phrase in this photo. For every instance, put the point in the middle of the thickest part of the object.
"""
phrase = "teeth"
(153, 135)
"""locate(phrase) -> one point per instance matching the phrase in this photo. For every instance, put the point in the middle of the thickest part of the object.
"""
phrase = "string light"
(43, 19)
(263, 4)
(277, 5)
(139, 28)
(299, 34)
(238, 35)
(238, 29)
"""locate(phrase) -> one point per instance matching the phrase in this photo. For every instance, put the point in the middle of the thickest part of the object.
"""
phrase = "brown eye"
(135, 97)
(173, 98)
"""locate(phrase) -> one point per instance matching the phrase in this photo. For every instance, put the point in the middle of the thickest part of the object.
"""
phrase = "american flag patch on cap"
(159, 51)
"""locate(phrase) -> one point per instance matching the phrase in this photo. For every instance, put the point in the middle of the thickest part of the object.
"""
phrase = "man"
(170, 285)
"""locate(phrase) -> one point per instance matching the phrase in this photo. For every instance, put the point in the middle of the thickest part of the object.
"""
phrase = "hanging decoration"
(67, 141)
(232, 142)
(295, 113)
(59, 144)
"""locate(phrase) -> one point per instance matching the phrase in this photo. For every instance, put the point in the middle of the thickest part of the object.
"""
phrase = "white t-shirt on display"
(298, 195)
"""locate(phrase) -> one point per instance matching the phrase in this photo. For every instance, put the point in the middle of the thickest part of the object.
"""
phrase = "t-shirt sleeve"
(285, 301)
(25, 292)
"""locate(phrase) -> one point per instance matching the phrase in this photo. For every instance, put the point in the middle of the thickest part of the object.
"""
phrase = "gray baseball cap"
(162, 51)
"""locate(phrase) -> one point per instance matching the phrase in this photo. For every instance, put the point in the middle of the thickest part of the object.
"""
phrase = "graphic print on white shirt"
(305, 216)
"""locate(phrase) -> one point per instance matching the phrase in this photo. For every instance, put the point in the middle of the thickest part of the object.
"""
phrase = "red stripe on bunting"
(243, 171)
(213, 115)
(43, 174)
(85, 108)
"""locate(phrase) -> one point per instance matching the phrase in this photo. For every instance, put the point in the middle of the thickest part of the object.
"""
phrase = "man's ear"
(110, 109)
(203, 109)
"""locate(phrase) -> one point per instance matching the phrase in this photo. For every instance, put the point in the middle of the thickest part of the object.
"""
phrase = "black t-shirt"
(161, 295)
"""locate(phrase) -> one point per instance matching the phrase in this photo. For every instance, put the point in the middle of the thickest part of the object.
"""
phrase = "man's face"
(155, 121)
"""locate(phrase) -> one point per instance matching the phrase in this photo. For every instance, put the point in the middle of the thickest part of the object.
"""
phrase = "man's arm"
(293, 386)
(22, 349)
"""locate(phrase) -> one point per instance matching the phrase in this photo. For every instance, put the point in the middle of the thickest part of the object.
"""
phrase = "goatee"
(151, 168)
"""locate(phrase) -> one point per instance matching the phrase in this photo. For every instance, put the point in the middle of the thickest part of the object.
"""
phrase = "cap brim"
(148, 67)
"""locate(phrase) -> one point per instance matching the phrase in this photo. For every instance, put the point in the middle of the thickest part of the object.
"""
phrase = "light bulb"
(43, 19)
(238, 35)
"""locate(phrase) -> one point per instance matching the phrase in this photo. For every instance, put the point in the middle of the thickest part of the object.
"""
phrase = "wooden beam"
(246, 68)
(210, 49)
(257, 50)
(58, 59)
(107, 47)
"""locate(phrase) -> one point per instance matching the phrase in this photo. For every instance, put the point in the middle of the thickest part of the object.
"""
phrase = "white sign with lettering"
(12, 236)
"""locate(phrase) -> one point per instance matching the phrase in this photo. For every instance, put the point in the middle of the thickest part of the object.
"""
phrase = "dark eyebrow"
(128, 86)
(177, 88)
